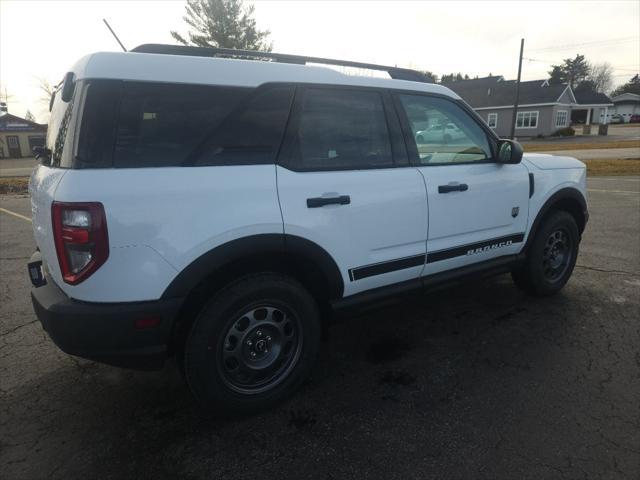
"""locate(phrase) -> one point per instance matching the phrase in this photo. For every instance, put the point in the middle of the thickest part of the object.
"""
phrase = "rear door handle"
(322, 201)
(460, 187)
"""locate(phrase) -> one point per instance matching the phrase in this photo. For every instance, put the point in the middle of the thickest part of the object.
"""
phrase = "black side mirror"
(68, 86)
(509, 151)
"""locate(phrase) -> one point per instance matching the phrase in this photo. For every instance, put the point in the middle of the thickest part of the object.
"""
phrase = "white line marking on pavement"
(611, 191)
(9, 212)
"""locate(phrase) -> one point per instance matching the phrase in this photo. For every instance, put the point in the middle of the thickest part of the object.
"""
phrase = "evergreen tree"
(632, 86)
(224, 24)
(572, 71)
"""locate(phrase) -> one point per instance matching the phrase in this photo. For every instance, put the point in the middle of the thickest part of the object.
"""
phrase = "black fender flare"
(563, 195)
(251, 246)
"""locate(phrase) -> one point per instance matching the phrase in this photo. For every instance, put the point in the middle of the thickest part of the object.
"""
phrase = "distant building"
(592, 107)
(18, 136)
(626, 104)
(543, 108)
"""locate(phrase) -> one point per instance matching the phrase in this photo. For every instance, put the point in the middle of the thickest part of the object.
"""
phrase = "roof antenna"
(114, 34)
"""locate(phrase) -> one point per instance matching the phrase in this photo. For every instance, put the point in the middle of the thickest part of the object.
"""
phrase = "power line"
(597, 42)
(559, 62)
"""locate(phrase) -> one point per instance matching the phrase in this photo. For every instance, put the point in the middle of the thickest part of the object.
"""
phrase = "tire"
(252, 345)
(551, 256)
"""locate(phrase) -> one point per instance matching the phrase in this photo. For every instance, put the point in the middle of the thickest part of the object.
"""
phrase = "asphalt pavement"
(478, 382)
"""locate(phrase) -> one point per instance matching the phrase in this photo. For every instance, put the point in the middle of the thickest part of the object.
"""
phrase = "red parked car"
(634, 118)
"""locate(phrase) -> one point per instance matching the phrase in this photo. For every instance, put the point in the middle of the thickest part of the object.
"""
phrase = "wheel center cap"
(556, 258)
(261, 346)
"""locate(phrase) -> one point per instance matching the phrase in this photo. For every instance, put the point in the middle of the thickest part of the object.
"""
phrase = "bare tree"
(29, 116)
(4, 95)
(46, 89)
(601, 76)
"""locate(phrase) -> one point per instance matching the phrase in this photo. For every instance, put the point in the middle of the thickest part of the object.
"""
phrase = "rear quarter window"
(136, 124)
(161, 125)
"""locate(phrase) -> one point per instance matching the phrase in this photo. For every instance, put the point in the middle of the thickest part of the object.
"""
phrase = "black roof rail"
(394, 72)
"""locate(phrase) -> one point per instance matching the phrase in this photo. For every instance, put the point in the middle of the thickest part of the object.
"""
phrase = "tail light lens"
(82, 242)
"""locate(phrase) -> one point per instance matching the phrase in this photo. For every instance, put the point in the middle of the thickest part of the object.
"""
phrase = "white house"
(626, 105)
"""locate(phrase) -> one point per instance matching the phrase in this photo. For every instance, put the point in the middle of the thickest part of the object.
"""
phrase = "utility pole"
(515, 105)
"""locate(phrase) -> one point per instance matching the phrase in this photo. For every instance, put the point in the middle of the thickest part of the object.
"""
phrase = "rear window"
(60, 132)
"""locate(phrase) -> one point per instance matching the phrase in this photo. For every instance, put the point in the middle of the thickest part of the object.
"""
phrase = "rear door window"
(341, 129)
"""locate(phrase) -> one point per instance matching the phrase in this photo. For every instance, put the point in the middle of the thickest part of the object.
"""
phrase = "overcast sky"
(41, 39)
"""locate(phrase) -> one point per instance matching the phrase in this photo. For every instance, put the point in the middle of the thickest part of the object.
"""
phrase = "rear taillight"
(82, 242)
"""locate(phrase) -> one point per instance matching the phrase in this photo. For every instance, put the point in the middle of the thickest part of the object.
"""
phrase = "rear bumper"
(106, 332)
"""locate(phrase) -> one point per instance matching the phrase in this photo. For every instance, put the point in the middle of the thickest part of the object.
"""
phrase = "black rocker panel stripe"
(472, 248)
(386, 267)
(359, 273)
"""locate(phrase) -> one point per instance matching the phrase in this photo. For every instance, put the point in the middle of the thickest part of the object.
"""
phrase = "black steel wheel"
(556, 255)
(253, 344)
(259, 348)
(551, 256)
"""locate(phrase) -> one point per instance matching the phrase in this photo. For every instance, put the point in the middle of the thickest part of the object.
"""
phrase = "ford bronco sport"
(219, 209)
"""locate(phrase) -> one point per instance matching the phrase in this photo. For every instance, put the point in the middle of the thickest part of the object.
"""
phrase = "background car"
(617, 118)
(439, 134)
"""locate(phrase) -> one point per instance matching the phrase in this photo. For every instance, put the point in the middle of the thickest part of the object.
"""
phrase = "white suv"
(220, 209)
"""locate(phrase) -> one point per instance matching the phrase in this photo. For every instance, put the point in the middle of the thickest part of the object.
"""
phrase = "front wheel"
(551, 257)
(253, 344)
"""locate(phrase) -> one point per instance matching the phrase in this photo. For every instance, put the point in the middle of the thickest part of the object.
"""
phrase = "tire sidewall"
(202, 352)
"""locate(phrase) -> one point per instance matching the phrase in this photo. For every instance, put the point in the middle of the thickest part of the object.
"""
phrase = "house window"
(527, 120)
(561, 118)
(492, 120)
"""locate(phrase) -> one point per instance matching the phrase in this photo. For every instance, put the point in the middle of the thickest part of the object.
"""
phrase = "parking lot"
(477, 382)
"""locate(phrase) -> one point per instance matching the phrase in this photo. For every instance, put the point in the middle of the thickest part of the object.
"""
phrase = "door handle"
(322, 201)
(460, 187)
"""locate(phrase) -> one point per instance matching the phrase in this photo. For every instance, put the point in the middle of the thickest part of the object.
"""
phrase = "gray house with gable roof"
(543, 108)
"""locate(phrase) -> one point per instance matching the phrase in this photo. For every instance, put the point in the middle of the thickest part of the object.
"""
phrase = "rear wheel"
(551, 257)
(253, 344)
